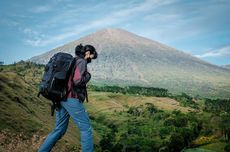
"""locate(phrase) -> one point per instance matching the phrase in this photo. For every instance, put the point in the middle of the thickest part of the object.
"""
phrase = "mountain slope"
(25, 119)
(226, 66)
(128, 59)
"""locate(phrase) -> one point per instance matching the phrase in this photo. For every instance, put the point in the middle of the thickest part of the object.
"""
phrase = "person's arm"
(81, 76)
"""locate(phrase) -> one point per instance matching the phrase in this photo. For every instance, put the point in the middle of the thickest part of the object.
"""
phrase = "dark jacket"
(80, 78)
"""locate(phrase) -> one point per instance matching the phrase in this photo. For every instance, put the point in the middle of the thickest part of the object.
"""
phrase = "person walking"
(73, 107)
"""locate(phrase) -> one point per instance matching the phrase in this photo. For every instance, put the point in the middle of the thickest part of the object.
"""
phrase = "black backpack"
(54, 84)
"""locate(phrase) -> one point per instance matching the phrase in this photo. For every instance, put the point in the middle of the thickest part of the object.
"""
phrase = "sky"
(198, 27)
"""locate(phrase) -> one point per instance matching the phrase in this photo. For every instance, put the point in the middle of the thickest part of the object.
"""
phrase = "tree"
(227, 147)
(106, 142)
(176, 142)
(224, 125)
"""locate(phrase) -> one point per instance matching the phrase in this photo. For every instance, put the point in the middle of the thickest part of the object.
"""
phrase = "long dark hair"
(80, 50)
(91, 49)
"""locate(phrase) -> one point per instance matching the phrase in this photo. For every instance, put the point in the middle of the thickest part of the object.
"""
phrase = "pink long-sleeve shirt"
(78, 76)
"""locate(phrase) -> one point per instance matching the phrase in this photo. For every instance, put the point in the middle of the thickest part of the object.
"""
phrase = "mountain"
(128, 59)
(226, 66)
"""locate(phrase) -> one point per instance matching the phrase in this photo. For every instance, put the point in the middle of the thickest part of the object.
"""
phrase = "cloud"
(186, 20)
(30, 32)
(163, 18)
(35, 37)
(9, 23)
(113, 18)
(35, 42)
(41, 9)
(224, 51)
(58, 1)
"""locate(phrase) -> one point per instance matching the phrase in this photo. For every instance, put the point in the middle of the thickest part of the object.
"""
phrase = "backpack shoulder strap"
(72, 75)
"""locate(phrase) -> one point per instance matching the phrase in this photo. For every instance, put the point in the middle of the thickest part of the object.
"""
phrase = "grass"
(212, 147)
(198, 150)
(106, 101)
(217, 146)
(22, 112)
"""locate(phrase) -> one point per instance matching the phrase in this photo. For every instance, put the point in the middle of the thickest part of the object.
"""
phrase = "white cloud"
(165, 18)
(9, 23)
(41, 9)
(30, 32)
(109, 19)
(58, 1)
(34, 42)
(35, 37)
(224, 51)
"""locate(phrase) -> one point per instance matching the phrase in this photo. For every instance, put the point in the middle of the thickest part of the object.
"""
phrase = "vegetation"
(128, 119)
(184, 99)
(147, 91)
(217, 105)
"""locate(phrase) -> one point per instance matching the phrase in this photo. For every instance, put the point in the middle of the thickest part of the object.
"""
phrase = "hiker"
(73, 107)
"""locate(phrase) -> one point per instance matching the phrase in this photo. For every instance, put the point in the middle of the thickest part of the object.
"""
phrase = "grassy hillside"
(121, 121)
(25, 118)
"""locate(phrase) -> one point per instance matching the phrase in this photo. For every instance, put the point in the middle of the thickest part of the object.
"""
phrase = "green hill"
(121, 121)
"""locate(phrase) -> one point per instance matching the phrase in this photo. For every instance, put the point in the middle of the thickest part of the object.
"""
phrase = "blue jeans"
(72, 107)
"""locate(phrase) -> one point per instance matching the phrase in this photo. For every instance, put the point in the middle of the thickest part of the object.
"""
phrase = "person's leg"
(62, 119)
(77, 111)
